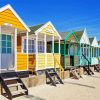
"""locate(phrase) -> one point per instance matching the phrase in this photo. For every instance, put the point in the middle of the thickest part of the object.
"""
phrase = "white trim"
(59, 46)
(15, 48)
(14, 12)
(0, 49)
(53, 49)
(23, 38)
(48, 23)
(45, 50)
(27, 49)
(52, 44)
(82, 38)
(37, 52)
(95, 39)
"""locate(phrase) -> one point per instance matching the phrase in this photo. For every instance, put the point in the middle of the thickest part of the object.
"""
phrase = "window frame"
(6, 41)
(23, 45)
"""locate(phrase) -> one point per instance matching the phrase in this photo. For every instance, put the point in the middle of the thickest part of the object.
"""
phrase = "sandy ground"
(87, 88)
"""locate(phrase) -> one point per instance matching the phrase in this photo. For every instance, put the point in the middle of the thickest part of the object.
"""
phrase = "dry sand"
(87, 88)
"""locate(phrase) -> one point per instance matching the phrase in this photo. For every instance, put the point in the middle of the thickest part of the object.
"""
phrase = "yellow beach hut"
(41, 55)
(11, 30)
(13, 62)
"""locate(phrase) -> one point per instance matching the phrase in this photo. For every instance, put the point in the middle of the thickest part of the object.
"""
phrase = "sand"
(86, 88)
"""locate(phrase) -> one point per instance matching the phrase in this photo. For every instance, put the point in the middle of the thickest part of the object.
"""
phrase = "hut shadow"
(95, 76)
(32, 97)
(83, 85)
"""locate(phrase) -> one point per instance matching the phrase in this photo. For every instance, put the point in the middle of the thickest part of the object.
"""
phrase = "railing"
(86, 59)
(61, 68)
(88, 71)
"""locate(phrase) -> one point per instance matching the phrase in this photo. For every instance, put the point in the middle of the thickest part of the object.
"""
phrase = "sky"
(66, 15)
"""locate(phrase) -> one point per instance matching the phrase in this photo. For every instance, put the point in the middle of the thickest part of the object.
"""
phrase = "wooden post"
(53, 50)
(53, 44)
(27, 49)
(37, 52)
(45, 50)
(0, 49)
(64, 54)
(59, 46)
(15, 48)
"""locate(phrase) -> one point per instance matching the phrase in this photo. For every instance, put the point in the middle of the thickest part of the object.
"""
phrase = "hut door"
(72, 60)
(6, 51)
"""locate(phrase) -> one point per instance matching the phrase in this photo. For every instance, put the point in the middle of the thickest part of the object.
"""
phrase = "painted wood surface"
(19, 43)
(94, 61)
(76, 61)
(84, 38)
(8, 17)
(41, 61)
(21, 62)
(49, 30)
(32, 61)
(50, 60)
(57, 56)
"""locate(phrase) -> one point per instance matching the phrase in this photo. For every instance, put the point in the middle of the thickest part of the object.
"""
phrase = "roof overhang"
(17, 16)
(44, 26)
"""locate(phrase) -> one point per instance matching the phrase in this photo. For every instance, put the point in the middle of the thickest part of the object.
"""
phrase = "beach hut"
(42, 57)
(11, 31)
(39, 48)
(69, 50)
(94, 51)
(12, 59)
(84, 47)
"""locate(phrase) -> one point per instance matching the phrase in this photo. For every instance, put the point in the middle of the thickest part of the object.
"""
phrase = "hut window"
(40, 46)
(6, 44)
(31, 46)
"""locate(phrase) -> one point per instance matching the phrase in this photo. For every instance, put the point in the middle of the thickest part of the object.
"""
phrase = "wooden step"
(13, 78)
(13, 85)
(18, 92)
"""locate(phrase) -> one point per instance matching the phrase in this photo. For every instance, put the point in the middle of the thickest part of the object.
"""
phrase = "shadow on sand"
(32, 97)
(80, 84)
(95, 76)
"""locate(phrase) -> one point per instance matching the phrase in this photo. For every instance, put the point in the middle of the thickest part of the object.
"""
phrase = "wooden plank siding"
(50, 60)
(41, 61)
(57, 56)
(47, 30)
(62, 60)
(7, 16)
(68, 60)
(21, 62)
(76, 60)
(19, 43)
(32, 61)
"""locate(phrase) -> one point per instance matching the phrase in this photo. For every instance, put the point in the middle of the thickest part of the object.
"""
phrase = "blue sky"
(66, 15)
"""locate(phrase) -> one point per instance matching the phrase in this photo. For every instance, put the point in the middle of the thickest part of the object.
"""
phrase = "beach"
(86, 88)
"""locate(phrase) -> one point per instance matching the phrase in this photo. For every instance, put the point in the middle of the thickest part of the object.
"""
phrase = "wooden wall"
(41, 61)
(68, 60)
(21, 62)
(75, 60)
(19, 43)
(8, 17)
(32, 61)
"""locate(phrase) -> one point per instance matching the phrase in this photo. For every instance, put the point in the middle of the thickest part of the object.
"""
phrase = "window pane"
(8, 38)
(24, 41)
(8, 44)
(8, 50)
(3, 43)
(3, 37)
(24, 51)
(29, 41)
(32, 41)
(3, 50)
